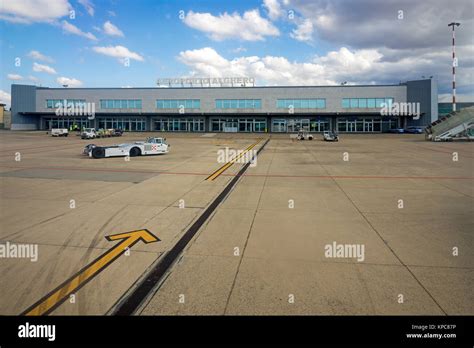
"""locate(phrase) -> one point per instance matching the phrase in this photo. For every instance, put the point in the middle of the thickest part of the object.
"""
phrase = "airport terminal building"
(280, 109)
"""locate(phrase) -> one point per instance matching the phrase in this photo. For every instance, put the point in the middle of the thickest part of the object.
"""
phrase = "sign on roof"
(207, 82)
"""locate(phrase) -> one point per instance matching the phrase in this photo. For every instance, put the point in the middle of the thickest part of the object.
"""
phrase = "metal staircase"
(454, 126)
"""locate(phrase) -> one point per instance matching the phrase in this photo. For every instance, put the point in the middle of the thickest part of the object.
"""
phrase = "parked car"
(396, 130)
(117, 132)
(330, 136)
(414, 130)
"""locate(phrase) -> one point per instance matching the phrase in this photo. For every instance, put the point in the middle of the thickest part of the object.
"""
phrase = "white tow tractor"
(151, 146)
(304, 135)
(59, 132)
(330, 136)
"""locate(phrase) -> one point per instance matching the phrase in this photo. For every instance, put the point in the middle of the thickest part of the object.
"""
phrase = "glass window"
(116, 104)
(110, 104)
(188, 103)
(312, 103)
(218, 103)
(258, 104)
(241, 104)
(304, 103)
(346, 103)
(124, 104)
(363, 103)
(371, 103)
(173, 104)
(159, 104)
(197, 103)
(341, 126)
(354, 103)
(321, 103)
(297, 103)
(248, 103)
(379, 102)
(281, 103)
(226, 103)
(138, 103)
(102, 104)
(49, 103)
(233, 104)
(132, 104)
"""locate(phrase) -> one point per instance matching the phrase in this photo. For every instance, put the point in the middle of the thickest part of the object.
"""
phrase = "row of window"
(54, 103)
(238, 125)
(364, 103)
(120, 104)
(179, 124)
(301, 103)
(238, 103)
(361, 103)
(175, 103)
(123, 123)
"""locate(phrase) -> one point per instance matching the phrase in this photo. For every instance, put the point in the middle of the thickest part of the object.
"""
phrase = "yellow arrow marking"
(57, 296)
(230, 163)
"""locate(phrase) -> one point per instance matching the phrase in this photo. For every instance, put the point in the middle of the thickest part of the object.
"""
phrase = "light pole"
(455, 62)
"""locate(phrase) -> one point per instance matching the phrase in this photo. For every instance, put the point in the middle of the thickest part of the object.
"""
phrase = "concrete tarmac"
(263, 250)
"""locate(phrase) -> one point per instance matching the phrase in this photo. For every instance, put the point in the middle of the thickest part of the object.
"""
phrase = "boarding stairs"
(458, 125)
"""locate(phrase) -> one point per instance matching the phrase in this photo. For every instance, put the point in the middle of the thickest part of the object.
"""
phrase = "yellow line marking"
(230, 163)
(57, 296)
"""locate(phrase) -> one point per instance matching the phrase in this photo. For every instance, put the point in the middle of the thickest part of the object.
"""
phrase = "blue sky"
(277, 42)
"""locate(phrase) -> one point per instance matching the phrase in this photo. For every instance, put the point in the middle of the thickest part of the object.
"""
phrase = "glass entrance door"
(351, 126)
(368, 126)
(279, 126)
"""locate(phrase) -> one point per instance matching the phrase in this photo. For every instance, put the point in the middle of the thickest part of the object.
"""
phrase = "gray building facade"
(345, 108)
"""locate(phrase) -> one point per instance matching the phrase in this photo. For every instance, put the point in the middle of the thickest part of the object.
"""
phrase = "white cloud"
(250, 27)
(239, 49)
(460, 98)
(88, 5)
(72, 29)
(112, 30)
(304, 31)
(31, 11)
(274, 9)
(5, 98)
(43, 68)
(70, 82)
(120, 52)
(14, 77)
(363, 66)
(33, 78)
(39, 56)
(111, 13)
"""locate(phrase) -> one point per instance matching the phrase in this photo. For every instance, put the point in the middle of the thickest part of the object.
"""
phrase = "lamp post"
(455, 62)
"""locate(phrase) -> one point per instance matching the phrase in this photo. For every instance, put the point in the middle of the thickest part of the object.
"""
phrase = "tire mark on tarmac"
(394, 177)
(383, 240)
(248, 235)
(129, 304)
